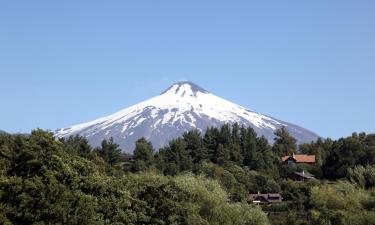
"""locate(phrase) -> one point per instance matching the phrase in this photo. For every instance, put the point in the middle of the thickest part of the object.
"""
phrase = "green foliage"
(189, 199)
(194, 146)
(240, 181)
(364, 176)
(348, 152)
(298, 195)
(211, 141)
(109, 151)
(293, 219)
(266, 160)
(143, 155)
(43, 181)
(225, 146)
(207, 180)
(342, 203)
(335, 158)
(249, 147)
(176, 157)
(43, 184)
(284, 143)
(77, 145)
(320, 148)
(222, 155)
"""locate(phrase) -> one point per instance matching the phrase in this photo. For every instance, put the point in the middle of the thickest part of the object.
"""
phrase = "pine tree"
(249, 146)
(284, 143)
(235, 153)
(268, 161)
(222, 155)
(143, 155)
(177, 157)
(236, 133)
(194, 146)
(109, 151)
(211, 141)
(78, 145)
(225, 135)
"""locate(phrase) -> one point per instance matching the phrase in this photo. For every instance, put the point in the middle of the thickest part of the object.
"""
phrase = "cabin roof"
(304, 174)
(267, 197)
(300, 158)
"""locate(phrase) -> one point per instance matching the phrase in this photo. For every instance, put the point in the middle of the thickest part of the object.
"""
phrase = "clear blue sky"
(311, 63)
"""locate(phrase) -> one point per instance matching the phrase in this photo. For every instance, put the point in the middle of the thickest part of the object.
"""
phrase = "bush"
(44, 181)
(364, 176)
(342, 203)
(189, 199)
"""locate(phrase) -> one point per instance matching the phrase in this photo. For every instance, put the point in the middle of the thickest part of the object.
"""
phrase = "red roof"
(301, 158)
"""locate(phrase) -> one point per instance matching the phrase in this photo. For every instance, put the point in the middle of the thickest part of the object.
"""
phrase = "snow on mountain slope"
(182, 107)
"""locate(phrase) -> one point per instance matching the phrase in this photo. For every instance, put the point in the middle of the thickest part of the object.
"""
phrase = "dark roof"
(274, 195)
(305, 174)
(268, 197)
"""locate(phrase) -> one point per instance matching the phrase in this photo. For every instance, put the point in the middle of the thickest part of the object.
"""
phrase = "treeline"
(244, 163)
(48, 181)
(196, 179)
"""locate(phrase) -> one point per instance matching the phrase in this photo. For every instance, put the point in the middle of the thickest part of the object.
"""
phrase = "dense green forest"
(196, 179)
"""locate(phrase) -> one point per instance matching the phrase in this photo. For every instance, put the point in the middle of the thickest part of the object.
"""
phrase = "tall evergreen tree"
(222, 155)
(235, 153)
(225, 135)
(177, 157)
(284, 143)
(346, 153)
(267, 161)
(109, 151)
(194, 146)
(236, 133)
(143, 155)
(78, 145)
(211, 141)
(249, 146)
(235, 146)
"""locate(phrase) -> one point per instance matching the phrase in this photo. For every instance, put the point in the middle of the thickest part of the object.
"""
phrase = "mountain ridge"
(181, 107)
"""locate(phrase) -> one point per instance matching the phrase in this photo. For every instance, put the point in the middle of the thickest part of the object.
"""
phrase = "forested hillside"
(196, 179)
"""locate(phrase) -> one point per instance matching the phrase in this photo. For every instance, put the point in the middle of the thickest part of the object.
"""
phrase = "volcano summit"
(180, 108)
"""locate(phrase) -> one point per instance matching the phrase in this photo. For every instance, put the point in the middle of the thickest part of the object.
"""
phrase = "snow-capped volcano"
(182, 107)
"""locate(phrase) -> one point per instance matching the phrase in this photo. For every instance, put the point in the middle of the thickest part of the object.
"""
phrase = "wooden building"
(302, 176)
(267, 198)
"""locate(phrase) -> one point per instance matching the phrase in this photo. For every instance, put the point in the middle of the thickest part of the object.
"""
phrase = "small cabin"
(267, 198)
(302, 176)
(298, 158)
